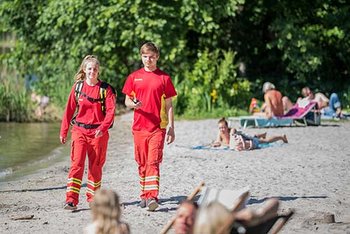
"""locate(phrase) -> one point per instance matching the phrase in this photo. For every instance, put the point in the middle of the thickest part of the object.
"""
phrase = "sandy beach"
(310, 174)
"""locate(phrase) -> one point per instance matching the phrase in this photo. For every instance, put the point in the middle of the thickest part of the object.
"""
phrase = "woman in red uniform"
(149, 91)
(93, 101)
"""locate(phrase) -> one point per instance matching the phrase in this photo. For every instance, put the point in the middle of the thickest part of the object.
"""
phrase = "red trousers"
(96, 149)
(148, 155)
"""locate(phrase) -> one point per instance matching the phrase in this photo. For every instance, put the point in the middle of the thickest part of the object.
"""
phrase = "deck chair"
(273, 225)
(300, 114)
(305, 113)
(226, 197)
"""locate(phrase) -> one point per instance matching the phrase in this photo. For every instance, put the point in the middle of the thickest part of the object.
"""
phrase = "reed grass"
(15, 103)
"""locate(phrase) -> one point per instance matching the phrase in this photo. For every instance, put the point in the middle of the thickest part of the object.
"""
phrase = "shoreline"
(309, 175)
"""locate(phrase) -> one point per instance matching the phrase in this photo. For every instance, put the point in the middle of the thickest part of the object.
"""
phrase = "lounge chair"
(300, 114)
(226, 197)
(270, 222)
(273, 225)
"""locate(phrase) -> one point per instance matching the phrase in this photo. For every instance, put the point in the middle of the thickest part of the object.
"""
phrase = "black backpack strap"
(78, 87)
(103, 94)
(101, 99)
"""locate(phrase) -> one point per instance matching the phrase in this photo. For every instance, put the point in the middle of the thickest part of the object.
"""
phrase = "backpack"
(103, 93)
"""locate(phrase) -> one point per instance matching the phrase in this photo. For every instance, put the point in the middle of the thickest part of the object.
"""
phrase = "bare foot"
(285, 140)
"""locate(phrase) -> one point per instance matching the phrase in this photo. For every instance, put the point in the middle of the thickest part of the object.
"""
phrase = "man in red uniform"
(149, 91)
(94, 116)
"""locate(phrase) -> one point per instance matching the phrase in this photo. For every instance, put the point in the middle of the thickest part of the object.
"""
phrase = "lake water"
(27, 147)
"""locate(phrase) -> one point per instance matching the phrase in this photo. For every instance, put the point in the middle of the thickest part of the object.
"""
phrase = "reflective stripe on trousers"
(96, 149)
(148, 155)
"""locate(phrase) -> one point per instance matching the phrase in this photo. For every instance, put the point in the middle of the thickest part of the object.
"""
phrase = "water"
(26, 147)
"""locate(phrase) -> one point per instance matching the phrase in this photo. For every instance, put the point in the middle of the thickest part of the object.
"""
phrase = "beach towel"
(208, 147)
(227, 148)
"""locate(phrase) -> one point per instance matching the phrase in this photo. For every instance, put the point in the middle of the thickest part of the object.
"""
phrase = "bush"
(212, 86)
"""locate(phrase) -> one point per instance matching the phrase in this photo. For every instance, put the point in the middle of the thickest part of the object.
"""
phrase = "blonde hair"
(80, 75)
(149, 46)
(210, 218)
(106, 213)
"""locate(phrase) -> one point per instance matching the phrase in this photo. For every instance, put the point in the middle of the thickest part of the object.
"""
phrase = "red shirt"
(151, 88)
(89, 112)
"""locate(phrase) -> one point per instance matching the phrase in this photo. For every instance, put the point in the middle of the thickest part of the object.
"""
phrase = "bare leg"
(261, 136)
(267, 211)
(273, 139)
(287, 104)
(251, 217)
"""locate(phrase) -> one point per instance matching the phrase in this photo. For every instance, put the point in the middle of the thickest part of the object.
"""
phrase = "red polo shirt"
(151, 88)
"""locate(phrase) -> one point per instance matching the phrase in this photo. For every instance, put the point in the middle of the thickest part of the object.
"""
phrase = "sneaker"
(142, 203)
(70, 206)
(152, 205)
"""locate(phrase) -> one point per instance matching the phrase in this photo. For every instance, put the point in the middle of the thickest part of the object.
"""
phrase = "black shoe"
(152, 204)
(143, 203)
(70, 206)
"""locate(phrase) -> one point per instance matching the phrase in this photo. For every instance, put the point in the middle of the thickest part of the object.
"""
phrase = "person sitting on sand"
(185, 217)
(240, 141)
(106, 214)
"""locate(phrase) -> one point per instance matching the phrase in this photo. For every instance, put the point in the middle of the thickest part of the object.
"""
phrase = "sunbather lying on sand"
(239, 141)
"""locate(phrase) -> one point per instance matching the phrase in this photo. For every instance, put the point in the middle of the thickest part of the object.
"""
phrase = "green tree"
(293, 43)
(289, 43)
(53, 36)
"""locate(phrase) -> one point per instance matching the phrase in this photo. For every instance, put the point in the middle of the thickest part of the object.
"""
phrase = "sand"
(310, 174)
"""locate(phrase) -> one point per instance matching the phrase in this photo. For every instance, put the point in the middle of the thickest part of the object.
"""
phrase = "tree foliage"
(209, 47)
(294, 43)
